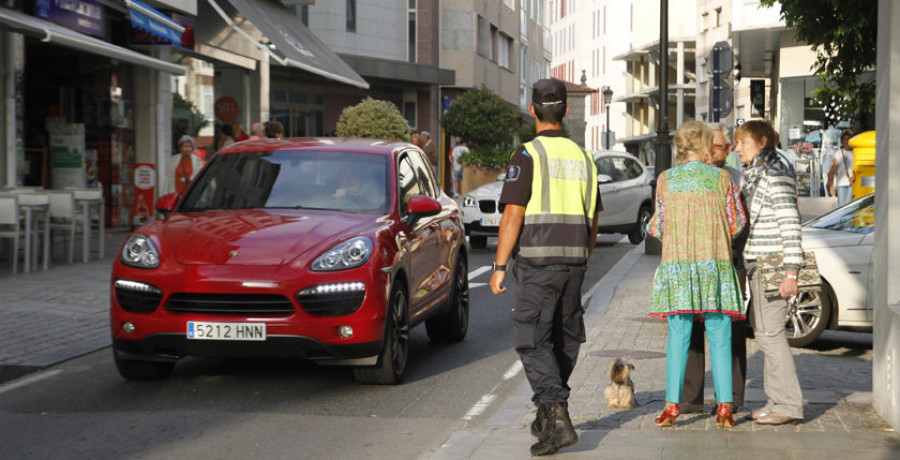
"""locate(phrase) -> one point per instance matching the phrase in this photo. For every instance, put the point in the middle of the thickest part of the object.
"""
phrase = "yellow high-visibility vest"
(563, 200)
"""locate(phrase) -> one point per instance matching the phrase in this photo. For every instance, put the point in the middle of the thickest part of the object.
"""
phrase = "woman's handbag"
(771, 272)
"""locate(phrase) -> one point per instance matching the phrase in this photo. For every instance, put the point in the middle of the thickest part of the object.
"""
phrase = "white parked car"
(625, 188)
(842, 241)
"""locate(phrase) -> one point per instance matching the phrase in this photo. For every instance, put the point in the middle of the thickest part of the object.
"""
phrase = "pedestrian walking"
(694, 375)
(697, 214)
(841, 174)
(226, 136)
(551, 210)
(458, 151)
(274, 130)
(774, 228)
(183, 167)
(257, 131)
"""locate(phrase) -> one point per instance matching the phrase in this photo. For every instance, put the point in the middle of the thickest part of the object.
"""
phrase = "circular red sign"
(226, 108)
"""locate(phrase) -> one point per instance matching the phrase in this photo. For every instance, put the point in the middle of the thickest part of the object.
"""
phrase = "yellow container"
(863, 163)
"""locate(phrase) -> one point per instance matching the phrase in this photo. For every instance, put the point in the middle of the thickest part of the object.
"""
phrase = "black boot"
(538, 424)
(557, 432)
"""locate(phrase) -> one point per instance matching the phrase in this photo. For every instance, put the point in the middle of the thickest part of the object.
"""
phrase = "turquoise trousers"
(718, 333)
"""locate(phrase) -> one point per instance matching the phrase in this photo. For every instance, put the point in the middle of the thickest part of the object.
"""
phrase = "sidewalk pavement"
(840, 421)
(49, 316)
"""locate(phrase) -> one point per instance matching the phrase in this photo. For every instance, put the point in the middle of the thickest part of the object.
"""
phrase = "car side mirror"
(166, 203)
(604, 179)
(421, 206)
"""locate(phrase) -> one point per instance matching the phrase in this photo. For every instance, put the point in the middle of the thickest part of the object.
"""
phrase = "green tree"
(487, 122)
(186, 118)
(843, 34)
(375, 119)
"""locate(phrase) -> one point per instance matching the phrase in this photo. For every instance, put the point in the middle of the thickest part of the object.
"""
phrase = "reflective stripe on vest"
(558, 215)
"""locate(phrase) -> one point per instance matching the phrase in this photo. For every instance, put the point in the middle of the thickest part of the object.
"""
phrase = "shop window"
(409, 112)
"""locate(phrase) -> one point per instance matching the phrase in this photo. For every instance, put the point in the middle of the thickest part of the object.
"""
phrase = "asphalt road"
(82, 409)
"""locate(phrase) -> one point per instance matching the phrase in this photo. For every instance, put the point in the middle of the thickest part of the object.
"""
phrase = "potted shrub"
(489, 124)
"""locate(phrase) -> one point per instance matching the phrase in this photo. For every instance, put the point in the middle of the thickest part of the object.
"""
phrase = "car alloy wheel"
(392, 361)
(638, 234)
(452, 325)
(808, 316)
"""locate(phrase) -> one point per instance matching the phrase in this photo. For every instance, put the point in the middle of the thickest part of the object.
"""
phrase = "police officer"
(552, 202)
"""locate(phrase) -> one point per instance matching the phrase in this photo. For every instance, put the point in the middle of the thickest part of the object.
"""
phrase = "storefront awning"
(153, 22)
(291, 42)
(52, 33)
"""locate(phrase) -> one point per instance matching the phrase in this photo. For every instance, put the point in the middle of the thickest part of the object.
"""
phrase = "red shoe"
(668, 416)
(724, 417)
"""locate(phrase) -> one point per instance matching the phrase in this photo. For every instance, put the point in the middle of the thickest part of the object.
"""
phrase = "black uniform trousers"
(548, 325)
(692, 392)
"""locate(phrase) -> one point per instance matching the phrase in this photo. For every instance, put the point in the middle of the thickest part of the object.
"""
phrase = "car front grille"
(230, 304)
(331, 303)
(490, 206)
(134, 301)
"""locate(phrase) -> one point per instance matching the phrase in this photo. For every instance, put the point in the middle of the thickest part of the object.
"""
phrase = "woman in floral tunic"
(697, 214)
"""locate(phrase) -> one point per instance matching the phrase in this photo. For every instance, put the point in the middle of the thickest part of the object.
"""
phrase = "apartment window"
(485, 39)
(504, 43)
(704, 22)
(412, 4)
(411, 36)
(562, 8)
(718, 17)
(351, 15)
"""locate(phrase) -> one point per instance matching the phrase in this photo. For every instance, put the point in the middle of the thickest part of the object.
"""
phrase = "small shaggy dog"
(620, 392)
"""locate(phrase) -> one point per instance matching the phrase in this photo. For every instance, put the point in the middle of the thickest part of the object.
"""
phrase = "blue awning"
(153, 22)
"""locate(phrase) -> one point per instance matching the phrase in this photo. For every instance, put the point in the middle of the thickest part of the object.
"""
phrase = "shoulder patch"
(512, 173)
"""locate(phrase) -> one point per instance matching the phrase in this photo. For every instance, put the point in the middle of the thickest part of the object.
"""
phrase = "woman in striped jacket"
(770, 187)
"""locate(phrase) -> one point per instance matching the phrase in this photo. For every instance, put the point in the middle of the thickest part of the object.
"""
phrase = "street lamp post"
(607, 99)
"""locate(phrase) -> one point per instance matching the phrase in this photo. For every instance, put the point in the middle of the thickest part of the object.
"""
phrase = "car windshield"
(857, 216)
(341, 181)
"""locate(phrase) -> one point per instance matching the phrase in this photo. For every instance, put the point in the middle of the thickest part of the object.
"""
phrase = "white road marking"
(513, 370)
(27, 380)
(474, 273)
(479, 407)
(475, 285)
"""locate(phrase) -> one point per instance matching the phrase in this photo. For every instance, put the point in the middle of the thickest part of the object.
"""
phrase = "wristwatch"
(790, 276)
(498, 268)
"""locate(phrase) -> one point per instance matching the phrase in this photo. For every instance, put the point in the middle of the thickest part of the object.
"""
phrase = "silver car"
(842, 241)
(625, 188)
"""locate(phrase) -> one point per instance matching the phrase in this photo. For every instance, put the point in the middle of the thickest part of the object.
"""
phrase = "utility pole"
(663, 152)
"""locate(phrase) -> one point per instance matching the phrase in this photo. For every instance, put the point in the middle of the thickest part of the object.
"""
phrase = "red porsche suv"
(328, 249)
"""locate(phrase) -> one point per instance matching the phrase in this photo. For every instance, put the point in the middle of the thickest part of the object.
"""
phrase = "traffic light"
(721, 95)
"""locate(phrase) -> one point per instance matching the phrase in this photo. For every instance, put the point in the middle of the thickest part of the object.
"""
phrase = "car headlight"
(349, 254)
(139, 252)
(469, 202)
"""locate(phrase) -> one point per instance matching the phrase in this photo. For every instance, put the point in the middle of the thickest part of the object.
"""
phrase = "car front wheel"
(392, 360)
(452, 325)
(809, 316)
(639, 232)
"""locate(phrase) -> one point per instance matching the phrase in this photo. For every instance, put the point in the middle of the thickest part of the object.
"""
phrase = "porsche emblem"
(233, 253)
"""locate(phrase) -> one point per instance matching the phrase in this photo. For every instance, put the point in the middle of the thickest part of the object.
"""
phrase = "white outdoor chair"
(64, 216)
(9, 226)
